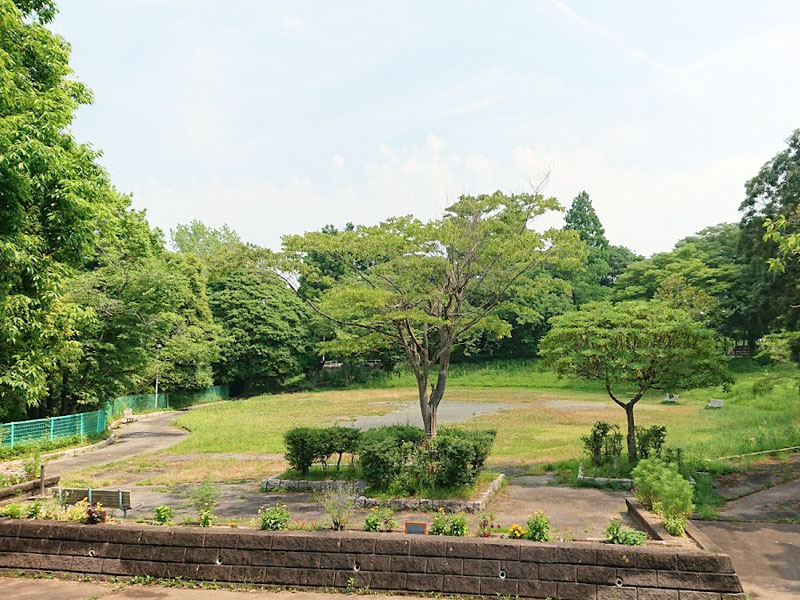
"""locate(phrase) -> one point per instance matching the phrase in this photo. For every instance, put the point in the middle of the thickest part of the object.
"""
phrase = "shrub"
(339, 501)
(307, 445)
(345, 441)
(459, 455)
(603, 444)
(12, 511)
(33, 464)
(660, 486)
(487, 523)
(34, 511)
(454, 525)
(617, 534)
(394, 458)
(538, 527)
(275, 518)
(650, 441)
(383, 452)
(163, 515)
(304, 445)
(380, 519)
(206, 516)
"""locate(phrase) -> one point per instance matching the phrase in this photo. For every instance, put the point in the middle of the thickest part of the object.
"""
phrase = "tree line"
(94, 303)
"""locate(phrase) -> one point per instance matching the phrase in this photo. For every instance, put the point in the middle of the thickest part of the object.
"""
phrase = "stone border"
(651, 523)
(602, 480)
(488, 567)
(274, 484)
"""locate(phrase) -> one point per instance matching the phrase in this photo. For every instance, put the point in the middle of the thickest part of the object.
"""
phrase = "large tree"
(429, 287)
(633, 347)
(582, 217)
(770, 226)
(52, 196)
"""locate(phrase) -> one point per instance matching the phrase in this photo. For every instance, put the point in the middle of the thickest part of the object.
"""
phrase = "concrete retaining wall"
(392, 562)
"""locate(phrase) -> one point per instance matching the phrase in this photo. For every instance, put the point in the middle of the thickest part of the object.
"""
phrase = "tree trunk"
(424, 403)
(631, 433)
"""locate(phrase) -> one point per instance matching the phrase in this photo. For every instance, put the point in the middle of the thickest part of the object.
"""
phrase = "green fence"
(53, 428)
(94, 423)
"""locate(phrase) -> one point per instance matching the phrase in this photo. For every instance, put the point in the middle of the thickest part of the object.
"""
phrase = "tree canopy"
(632, 347)
(428, 287)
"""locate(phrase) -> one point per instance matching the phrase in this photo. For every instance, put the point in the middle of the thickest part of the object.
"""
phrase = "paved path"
(49, 589)
(766, 556)
(778, 502)
(148, 433)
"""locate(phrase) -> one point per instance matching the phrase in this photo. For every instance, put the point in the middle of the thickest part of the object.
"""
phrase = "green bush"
(275, 518)
(660, 486)
(538, 527)
(650, 441)
(12, 511)
(617, 534)
(380, 519)
(338, 501)
(395, 459)
(603, 444)
(163, 515)
(454, 525)
(308, 445)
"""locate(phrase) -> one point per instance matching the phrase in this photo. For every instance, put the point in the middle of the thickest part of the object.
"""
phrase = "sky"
(280, 117)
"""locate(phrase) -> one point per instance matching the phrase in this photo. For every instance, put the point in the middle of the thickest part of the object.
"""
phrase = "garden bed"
(347, 560)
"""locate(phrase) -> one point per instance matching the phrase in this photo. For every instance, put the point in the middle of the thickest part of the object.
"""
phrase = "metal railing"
(82, 425)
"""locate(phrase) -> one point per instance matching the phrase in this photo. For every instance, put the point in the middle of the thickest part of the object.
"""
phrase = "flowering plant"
(516, 532)
(487, 524)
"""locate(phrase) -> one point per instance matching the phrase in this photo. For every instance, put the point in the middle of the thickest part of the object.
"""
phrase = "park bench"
(715, 403)
(670, 399)
(111, 498)
(127, 416)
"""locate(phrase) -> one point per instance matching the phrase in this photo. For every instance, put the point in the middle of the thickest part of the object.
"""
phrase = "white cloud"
(338, 161)
(294, 26)
(644, 209)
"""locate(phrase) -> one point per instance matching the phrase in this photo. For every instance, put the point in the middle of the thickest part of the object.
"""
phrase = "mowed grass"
(538, 422)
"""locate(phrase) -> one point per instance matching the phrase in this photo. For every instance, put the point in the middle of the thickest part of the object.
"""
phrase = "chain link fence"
(93, 423)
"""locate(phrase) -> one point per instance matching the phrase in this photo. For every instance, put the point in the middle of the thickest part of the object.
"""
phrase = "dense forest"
(95, 303)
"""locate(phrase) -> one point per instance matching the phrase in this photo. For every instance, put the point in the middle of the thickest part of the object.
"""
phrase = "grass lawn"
(539, 422)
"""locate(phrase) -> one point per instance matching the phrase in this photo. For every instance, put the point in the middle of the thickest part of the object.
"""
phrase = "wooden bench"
(127, 416)
(112, 498)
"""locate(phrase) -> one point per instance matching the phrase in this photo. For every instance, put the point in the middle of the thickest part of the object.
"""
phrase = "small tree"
(426, 287)
(633, 347)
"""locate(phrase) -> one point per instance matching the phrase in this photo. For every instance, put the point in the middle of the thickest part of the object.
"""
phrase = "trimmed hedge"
(308, 445)
(395, 458)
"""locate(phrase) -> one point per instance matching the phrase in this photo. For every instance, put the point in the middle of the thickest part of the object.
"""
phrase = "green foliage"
(603, 444)
(582, 218)
(308, 445)
(204, 499)
(34, 510)
(163, 515)
(380, 519)
(650, 441)
(449, 524)
(421, 288)
(635, 346)
(661, 487)
(487, 524)
(12, 511)
(393, 458)
(338, 501)
(274, 518)
(266, 338)
(538, 527)
(617, 534)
